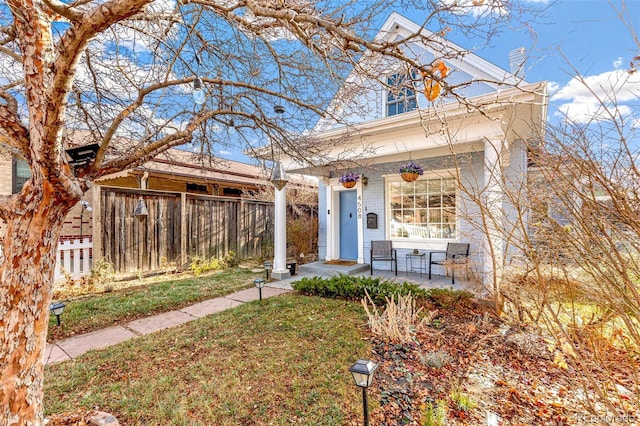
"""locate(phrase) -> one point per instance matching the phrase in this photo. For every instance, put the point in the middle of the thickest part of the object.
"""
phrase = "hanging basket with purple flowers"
(411, 171)
(349, 179)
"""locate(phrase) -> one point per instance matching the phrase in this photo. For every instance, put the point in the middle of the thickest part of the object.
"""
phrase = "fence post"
(98, 225)
(183, 230)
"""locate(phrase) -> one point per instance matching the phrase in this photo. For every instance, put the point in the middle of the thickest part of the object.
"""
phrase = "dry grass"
(399, 321)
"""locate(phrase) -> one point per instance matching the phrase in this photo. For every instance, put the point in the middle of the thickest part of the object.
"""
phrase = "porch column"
(493, 244)
(280, 270)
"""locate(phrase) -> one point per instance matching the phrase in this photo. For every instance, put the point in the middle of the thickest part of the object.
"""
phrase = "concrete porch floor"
(322, 269)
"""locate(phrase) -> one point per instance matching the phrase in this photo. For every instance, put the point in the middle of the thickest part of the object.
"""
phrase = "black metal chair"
(456, 253)
(382, 250)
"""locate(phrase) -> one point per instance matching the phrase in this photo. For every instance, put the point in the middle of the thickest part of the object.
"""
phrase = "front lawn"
(280, 362)
(97, 311)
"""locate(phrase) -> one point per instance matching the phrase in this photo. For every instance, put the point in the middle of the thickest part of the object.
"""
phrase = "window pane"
(407, 201)
(449, 200)
(435, 215)
(435, 185)
(20, 175)
(449, 215)
(423, 209)
(421, 187)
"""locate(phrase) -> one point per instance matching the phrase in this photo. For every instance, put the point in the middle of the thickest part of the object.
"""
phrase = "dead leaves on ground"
(506, 370)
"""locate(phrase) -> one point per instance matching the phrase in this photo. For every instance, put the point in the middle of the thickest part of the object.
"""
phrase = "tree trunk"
(26, 283)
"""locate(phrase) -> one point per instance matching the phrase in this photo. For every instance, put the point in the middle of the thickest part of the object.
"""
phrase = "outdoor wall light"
(57, 309)
(259, 282)
(267, 268)
(198, 91)
(141, 210)
(278, 176)
(86, 206)
(362, 372)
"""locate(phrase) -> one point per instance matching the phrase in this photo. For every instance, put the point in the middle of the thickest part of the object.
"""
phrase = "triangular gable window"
(401, 97)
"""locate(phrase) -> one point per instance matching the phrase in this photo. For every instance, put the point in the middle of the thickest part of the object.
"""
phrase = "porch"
(323, 269)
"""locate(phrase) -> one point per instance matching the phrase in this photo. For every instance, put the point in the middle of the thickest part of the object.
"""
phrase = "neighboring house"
(452, 142)
(197, 206)
(174, 171)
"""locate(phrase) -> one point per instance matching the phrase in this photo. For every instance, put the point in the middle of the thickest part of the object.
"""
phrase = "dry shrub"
(399, 321)
(302, 237)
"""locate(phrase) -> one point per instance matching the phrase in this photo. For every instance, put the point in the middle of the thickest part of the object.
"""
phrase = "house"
(196, 206)
(466, 154)
(174, 170)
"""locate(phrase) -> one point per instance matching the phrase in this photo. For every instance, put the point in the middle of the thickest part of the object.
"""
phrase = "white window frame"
(401, 98)
(402, 242)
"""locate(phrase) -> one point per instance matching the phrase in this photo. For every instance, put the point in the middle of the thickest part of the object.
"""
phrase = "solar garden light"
(259, 282)
(57, 309)
(362, 372)
(267, 267)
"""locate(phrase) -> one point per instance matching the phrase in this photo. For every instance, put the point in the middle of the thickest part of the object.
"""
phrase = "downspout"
(143, 181)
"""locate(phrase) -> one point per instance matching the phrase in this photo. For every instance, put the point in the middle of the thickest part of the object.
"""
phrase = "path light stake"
(259, 282)
(362, 372)
(57, 309)
(267, 267)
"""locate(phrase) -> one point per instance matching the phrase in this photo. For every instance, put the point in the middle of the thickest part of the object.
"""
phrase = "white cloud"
(617, 63)
(225, 152)
(597, 97)
(553, 87)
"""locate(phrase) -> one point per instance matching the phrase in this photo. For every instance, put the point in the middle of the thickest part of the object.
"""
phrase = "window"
(424, 209)
(401, 96)
(194, 187)
(20, 173)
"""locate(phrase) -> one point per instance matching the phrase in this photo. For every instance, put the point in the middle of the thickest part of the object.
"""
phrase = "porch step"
(323, 269)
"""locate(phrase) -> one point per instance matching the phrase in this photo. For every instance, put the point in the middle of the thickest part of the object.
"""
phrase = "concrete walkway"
(73, 347)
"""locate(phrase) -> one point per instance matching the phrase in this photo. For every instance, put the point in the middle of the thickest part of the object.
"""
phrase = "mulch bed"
(506, 370)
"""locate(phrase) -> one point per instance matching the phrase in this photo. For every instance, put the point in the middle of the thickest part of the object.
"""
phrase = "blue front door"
(348, 225)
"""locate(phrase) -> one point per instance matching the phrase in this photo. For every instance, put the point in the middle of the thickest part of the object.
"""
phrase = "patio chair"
(456, 253)
(382, 250)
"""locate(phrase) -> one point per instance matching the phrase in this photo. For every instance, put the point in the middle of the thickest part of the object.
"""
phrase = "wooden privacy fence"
(178, 227)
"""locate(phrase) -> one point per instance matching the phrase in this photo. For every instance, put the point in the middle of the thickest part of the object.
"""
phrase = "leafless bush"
(568, 252)
(399, 321)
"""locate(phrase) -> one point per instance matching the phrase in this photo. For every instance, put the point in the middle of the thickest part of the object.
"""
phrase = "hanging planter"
(349, 179)
(411, 171)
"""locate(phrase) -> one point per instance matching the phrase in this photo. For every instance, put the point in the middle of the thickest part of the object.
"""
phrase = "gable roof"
(464, 60)
(479, 76)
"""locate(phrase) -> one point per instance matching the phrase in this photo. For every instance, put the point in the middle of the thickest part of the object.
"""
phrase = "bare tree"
(570, 234)
(110, 68)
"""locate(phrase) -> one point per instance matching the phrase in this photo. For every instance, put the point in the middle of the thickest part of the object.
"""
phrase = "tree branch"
(17, 135)
(64, 10)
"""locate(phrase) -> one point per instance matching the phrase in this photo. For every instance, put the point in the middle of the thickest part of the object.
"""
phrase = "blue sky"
(576, 36)
(572, 37)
